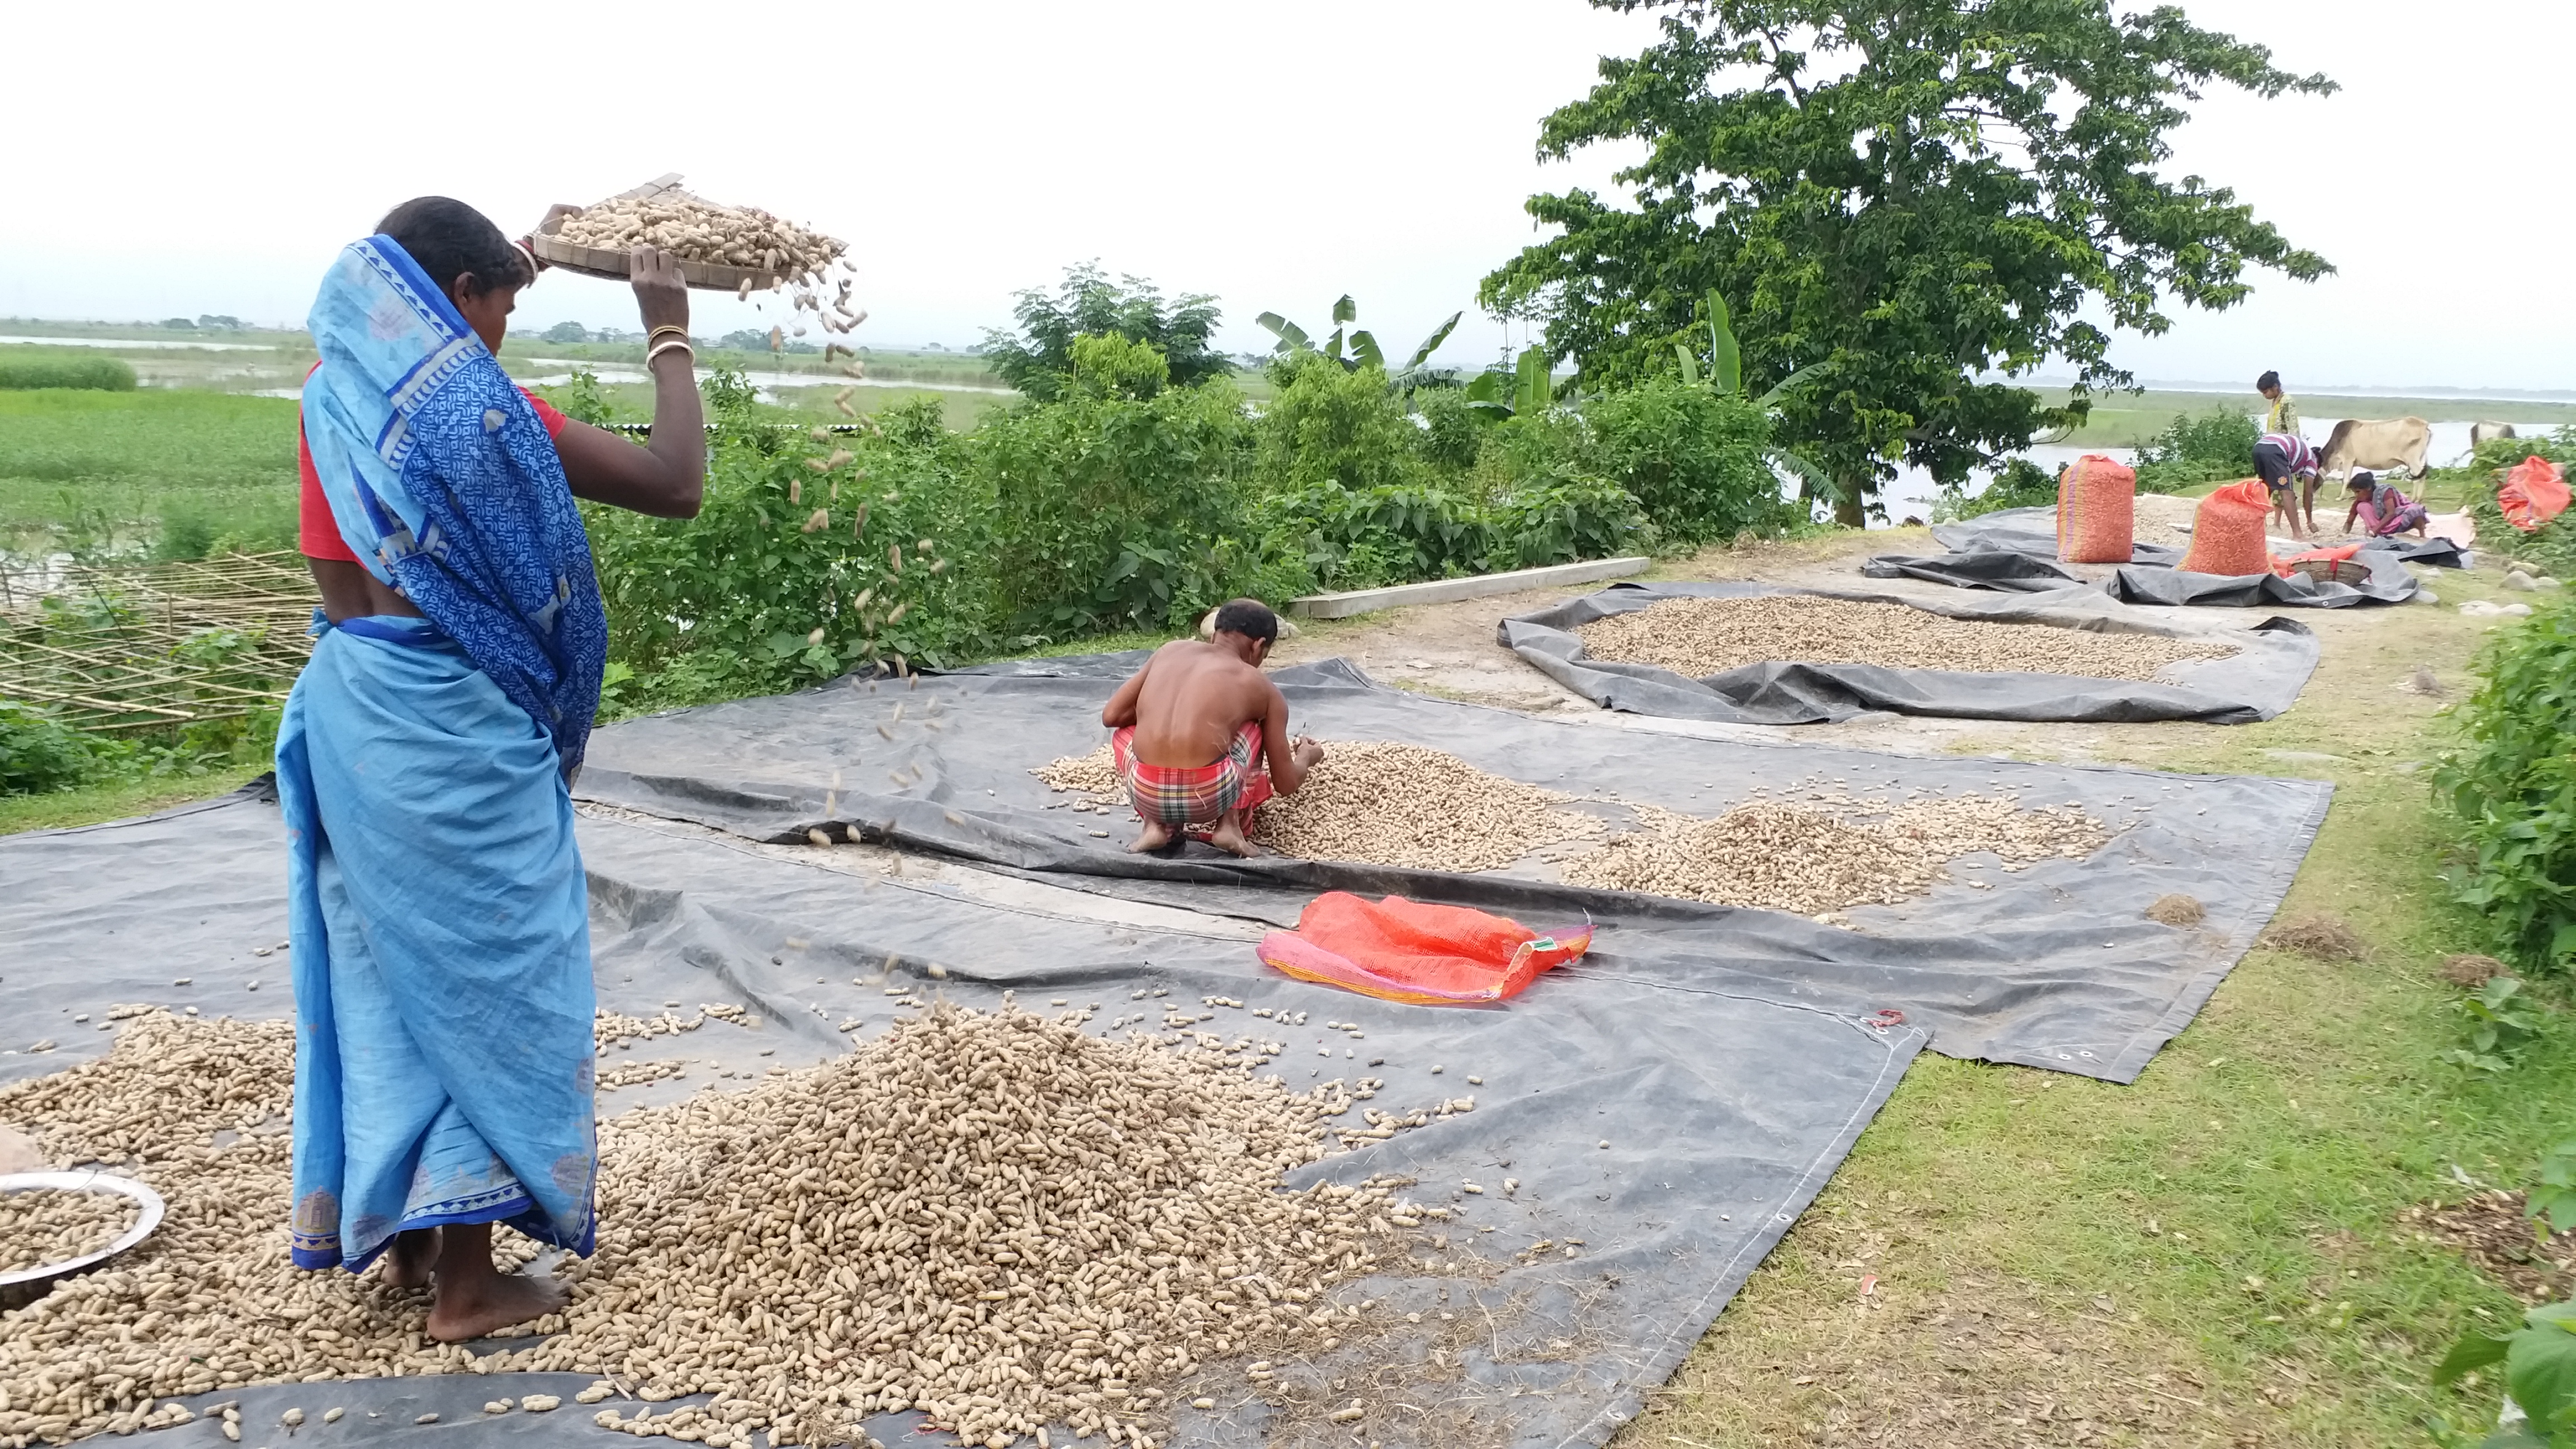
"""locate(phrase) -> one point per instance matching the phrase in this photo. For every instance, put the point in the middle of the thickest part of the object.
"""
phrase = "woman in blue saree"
(438, 911)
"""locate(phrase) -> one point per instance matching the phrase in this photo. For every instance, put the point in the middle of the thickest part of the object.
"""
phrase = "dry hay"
(1701, 637)
(2177, 910)
(44, 1225)
(699, 230)
(2492, 1230)
(2326, 938)
(1382, 803)
(2473, 971)
(995, 1218)
(1774, 854)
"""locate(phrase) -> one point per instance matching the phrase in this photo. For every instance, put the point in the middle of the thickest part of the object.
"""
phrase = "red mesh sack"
(2532, 494)
(2288, 566)
(1401, 950)
(2097, 510)
(2227, 532)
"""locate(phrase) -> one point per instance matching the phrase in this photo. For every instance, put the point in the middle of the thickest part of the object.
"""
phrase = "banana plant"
(1525, 391)
(1364, 350)
(1725, 374)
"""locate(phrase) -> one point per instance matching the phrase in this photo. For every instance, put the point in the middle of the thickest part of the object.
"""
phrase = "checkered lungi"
(1182, 795)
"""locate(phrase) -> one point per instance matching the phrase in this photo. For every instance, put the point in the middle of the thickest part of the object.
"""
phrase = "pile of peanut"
(996, 1218)
(699, 230)
(1701, 637)
(43, 1225)
(1381, 803)
(1826, 855)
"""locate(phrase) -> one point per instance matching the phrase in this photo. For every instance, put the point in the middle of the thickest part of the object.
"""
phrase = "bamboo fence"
(119, 647)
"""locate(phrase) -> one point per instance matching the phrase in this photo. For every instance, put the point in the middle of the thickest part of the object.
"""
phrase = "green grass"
(101, 466)
(118, 799)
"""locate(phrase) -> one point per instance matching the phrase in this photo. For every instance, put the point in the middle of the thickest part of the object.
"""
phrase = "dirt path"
(2012, 1257)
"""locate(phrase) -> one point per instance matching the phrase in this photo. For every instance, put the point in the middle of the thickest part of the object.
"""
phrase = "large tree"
(1038, 358)
(1922, 196)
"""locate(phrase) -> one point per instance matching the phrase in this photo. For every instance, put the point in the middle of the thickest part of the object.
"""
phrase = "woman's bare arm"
(667, 479)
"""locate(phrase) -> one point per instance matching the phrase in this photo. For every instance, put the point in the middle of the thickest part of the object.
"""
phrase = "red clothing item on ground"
(315, 532)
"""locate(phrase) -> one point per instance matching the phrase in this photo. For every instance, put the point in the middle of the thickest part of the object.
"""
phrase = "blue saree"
(437, 906)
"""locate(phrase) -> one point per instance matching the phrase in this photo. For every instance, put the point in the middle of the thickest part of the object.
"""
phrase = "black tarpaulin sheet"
(2001, 569)
(2053, 965)
(1674, 1126)
(2032, 532)
(1984, 550)
(2263, 678)
(2389, 583)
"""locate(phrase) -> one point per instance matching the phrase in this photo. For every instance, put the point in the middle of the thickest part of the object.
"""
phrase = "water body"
(153, 344)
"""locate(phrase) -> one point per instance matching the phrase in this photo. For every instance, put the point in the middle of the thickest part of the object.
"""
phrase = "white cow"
(2480, 433)
(2382, 447)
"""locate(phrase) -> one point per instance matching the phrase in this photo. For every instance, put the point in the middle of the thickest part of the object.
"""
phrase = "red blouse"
(315, 532)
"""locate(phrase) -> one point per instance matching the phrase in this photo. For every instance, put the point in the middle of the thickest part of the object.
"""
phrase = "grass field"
(2125, 419)
(104, 468)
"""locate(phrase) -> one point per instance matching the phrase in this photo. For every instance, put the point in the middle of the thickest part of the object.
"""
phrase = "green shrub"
(1692, 457)
(2511, 785)
(94, 374)
(789, 575)
(2216, 446)
(1362, 538)
(185, 533)
(1112, 511)
(2552, 546)
(38, 752)
(2020, 483)
(1452, 431)
(1331, 425)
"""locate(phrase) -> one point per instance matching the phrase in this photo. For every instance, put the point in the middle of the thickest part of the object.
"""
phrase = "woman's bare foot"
(409, 1261)
(475, 1298)
(1154, 836)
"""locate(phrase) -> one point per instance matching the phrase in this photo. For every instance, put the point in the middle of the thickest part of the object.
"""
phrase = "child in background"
(2383, 510)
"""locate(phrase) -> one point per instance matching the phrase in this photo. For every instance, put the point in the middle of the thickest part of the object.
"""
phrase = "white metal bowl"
(28, 1284)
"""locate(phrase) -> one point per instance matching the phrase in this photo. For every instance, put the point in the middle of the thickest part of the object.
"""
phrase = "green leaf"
(1431, 344)
(1798, 378)
(1292, 338)
(1725, 359)
(1364, 347)
(2473, 1352)
(1690, 365)
(2540, 1365)
(1531, 392)
(1345, 310)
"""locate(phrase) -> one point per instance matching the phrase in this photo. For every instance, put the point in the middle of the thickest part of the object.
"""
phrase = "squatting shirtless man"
(1195, 727)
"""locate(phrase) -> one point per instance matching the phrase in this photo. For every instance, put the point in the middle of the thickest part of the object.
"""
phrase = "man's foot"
(1154, 836)
(472, 1305)
(409, 1261)
(1227, 835)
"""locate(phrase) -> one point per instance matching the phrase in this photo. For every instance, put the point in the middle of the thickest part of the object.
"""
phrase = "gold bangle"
(656, 334)
(681, 343)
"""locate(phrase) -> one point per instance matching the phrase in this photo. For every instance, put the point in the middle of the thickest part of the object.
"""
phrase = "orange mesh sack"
(2532, 494)
(1401, 950)
(2097, 510)
(2227, 532)
(2288, 566)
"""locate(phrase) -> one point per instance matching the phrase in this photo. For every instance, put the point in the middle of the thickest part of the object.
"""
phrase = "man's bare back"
(1189, 704)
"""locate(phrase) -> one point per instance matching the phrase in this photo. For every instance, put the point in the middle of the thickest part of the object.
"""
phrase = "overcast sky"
(179, 159)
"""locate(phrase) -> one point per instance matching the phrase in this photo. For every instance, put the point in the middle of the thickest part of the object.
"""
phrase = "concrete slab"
(1443, 591)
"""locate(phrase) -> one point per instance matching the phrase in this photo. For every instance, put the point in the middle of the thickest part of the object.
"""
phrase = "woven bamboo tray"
(608, 262)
